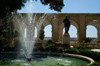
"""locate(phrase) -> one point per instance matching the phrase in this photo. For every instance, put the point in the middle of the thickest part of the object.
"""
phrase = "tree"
(41, 32)
(9, 6)
(57, 5)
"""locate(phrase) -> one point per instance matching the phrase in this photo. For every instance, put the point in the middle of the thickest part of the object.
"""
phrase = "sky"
(71, 6)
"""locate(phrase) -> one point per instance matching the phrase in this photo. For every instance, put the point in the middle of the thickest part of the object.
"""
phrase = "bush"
(60, 49)
(49, 44)
(73, 51)
(51, 49)
(38, 49)
(3, 37)
(95, 64)
(3, 40)
(16, 33)
(87, 40)
(17, 42)
(80, 47)
(91, 54)
(41, 32)
(48, 49)
(4, 32)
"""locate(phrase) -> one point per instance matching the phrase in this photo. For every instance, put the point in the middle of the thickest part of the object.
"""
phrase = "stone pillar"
(78, 35)
(55, 33)
(98, 35)
(60, 34)
(82, 28)
(38, 34)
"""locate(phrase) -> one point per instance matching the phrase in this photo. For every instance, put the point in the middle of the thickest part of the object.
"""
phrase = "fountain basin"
(46, 59)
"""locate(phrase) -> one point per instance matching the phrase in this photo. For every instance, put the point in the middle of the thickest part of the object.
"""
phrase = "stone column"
(78, 35)
(60, 34)
(38, 34)
(82, 28)
(98, 35)
(55, 33)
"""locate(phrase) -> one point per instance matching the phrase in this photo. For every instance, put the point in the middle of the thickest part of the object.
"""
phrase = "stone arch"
(90, 31)
(91, 19)
(46, 23)
(96, 24)
(50, 32)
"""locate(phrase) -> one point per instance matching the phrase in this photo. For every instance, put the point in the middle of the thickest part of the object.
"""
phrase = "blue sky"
(71, 6)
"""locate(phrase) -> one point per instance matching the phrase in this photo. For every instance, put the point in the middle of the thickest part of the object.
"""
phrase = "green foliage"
(41, 33)
(16, 33)
(80, 47)
(50, 44)
(38, 49)
(87, 40)
(3, 37)
(56, 5)
(58, 64)
(73, 51)
(49, 47)
(85, 52)
(95, 64)
(9, 6)
(17, 41)
(60, 49)
(8, 64)
(4, 32)
(1, 63)
(18, 65)
(91, 54)
(3, 40)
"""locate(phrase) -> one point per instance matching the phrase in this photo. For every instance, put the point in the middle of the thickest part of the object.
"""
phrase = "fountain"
(27, 29)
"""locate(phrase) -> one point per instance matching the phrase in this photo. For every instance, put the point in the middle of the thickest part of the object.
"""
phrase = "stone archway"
(96, 24)
(45, 23)
(48, 32)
